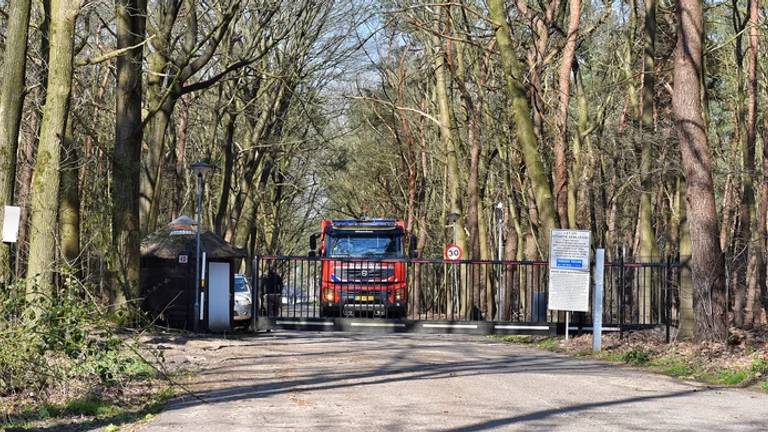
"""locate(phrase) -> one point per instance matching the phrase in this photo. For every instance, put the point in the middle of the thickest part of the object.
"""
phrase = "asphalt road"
(331, 381)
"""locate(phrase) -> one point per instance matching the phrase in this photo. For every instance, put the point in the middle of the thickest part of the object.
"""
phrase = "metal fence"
(636, 294)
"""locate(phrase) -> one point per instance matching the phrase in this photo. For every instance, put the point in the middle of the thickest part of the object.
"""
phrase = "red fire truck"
(363, 267)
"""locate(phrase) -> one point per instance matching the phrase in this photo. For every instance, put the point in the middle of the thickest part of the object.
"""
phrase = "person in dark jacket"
(272, 287)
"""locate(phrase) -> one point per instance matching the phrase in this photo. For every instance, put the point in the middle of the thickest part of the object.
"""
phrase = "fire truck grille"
(365, 274)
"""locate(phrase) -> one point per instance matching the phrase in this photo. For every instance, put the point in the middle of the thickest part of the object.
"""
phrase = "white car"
(243, 299)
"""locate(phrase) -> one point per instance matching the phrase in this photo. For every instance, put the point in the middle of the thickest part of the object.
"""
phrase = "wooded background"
(641, 121)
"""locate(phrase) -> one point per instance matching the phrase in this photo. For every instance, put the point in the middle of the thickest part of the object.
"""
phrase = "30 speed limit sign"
(453, 252)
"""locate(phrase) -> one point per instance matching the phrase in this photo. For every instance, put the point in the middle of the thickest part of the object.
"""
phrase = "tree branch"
(110, 55)
(417, 111)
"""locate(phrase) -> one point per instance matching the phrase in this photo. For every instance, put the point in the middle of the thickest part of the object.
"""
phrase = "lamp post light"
(452, 218)
(199, 169)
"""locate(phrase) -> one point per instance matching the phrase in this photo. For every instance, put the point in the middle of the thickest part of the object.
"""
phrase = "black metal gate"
(439, 296)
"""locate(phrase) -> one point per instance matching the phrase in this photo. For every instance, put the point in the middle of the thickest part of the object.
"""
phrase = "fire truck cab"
(363, 267)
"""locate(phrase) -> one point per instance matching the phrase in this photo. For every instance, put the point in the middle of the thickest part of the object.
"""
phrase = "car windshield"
(241, 284)
(379, 245)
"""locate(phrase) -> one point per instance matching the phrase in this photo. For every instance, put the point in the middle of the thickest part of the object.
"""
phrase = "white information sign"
(12, 216)
(569, 278)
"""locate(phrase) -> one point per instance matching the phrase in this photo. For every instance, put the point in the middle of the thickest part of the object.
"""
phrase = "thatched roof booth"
(168, 276)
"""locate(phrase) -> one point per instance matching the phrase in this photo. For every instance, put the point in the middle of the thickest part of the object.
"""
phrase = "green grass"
(759, 366)
(516, 339)
(550, 343)
(92, 407)
(673, 366)
(104, 414)
(138, 369)
(732, 377)
(636, 357)
(664, 363)
(547, 343)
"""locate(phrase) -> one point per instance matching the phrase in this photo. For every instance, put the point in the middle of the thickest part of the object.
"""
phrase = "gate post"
(255, 294)
(667, 306)
(620, 253)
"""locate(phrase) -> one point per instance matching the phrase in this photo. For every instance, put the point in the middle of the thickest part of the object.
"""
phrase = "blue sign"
(569, 263)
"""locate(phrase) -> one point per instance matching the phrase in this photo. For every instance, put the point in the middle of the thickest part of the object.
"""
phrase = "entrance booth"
(168, 277)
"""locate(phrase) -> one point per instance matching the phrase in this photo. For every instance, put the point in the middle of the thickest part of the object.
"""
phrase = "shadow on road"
(401, 365)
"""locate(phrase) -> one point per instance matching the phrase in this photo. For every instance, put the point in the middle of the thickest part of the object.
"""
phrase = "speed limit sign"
(453, 252)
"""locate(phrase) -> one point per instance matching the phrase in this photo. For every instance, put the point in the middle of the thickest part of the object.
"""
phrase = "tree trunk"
(11, 103)
(226, 184)
(25, 166)
(453, 175)
(454, 178)
(706, 255)
(753, 234)
(648, 250)
(687, 327)
(45, 182)
(561, 143)
(763, 226)
(69, 207)
(740, 246)
(126, 163)
(583, 161)
(152, 169)
(628, 60)
(160, 66)
(522, 116)
(179, 153)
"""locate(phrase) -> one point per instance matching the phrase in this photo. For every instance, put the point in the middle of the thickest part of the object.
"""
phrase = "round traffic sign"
(453, 252)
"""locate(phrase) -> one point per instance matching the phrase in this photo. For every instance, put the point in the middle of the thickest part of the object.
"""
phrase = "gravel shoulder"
(292, 380)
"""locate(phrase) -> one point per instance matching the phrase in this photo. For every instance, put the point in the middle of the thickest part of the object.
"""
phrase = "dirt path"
(310, 381)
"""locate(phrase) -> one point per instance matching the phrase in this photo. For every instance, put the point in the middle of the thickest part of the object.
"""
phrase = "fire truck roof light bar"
(338, 223)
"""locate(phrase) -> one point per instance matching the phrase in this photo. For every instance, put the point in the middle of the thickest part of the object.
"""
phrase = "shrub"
(62, 341)
(636, 357)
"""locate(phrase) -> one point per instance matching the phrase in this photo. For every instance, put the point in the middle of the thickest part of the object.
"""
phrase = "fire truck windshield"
(376, 245)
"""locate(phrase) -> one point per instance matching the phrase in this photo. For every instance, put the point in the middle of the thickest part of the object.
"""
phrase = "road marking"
(466, 326)
(520, 327)
(317, 323)
(358, 324)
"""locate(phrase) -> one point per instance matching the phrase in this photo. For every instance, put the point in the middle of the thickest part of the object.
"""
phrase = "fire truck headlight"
(328, 294)
(399, 294)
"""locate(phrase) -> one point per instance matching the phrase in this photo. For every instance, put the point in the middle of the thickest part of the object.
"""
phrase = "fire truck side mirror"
(412, 246)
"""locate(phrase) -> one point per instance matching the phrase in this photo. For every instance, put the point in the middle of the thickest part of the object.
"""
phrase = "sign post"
(597, 301)
(453, 253)
(569, 278)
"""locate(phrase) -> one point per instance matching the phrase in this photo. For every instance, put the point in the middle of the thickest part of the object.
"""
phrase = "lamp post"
(501, 292)
(500, 223)
(199, 169)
